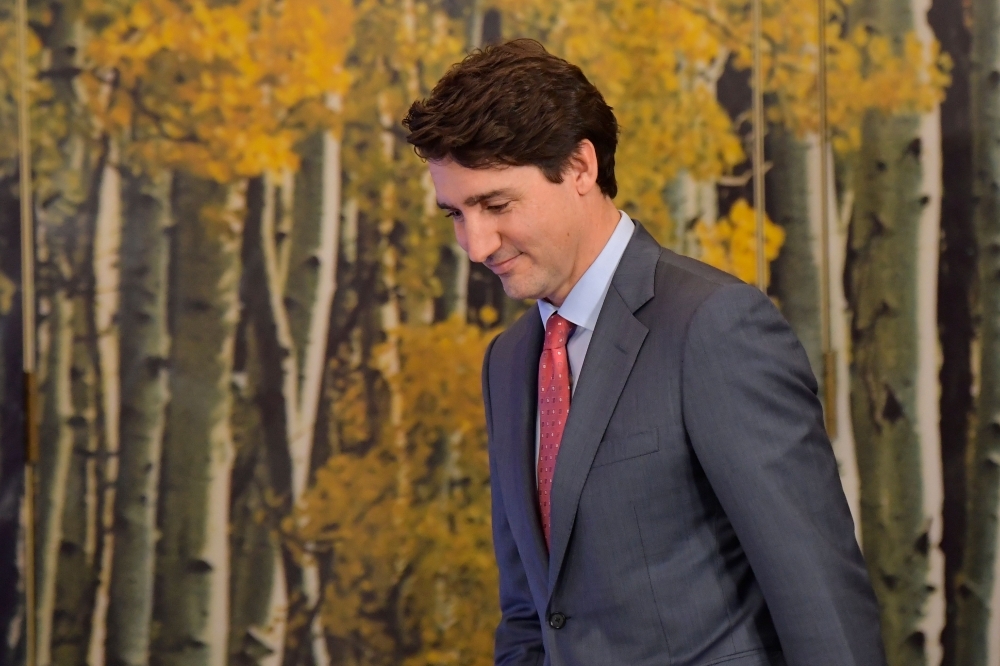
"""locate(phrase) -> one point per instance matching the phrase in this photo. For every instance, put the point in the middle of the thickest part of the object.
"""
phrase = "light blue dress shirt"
(583, 305)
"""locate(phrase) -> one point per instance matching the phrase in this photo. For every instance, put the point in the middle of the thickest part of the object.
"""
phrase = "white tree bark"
(313, 354)
(56, 437)
(843, 442)
(929, 359)
(107, 278)
(191, 604)
(145, 345)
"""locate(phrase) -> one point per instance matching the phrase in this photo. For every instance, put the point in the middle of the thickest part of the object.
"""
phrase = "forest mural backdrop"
(258, 346)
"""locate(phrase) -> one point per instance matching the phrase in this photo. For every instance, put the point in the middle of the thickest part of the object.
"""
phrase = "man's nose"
(481, 239)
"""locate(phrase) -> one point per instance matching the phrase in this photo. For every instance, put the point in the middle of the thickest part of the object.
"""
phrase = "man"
(663, 489)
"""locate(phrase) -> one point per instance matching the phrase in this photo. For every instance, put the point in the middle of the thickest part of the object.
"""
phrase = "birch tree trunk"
(145, 346)
(312, 284)
(386, 357)
(76, 574)
(682, 201)
(978, 640)
(795, 274)
(389, 364)
(291, 319)
(91, 254)
(191, 602)
(387, 360)
(258, 604)
(276, 396)
(843, 443)
(79, 571)
(956, 279)
(105, 283)
(309, 293)
(62, 229)
(56, 443)
(892, 276)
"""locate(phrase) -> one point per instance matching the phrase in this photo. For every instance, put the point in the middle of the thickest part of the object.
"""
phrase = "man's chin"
(519, 290)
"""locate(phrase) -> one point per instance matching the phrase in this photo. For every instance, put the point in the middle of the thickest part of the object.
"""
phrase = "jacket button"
(557, 620)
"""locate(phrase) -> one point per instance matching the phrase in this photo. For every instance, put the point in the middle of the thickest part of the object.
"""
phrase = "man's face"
(514, 220)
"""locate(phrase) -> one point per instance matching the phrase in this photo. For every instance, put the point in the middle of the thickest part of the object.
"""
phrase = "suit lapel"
(517, 447)
(613, 350)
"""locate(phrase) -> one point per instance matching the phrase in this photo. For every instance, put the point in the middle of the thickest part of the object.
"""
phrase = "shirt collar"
(583, 303)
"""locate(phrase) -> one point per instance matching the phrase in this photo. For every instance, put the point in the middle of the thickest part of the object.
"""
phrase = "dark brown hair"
(515, 104)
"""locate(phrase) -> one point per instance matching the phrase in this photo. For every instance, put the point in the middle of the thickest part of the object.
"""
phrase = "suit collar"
(636, 272)
(613, 350)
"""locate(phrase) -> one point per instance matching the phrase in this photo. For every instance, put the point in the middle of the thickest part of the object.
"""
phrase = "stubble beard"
(522, 287)
(514, 290)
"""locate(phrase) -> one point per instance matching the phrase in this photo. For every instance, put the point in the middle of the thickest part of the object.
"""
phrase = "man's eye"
(497, 208)
(452, 214)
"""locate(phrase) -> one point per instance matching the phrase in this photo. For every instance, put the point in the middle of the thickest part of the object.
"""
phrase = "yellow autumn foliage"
(657, 63)
(413, 577)
(730, 244)
(221, 89)
(47, 118)
(9, 80)
(865, 70)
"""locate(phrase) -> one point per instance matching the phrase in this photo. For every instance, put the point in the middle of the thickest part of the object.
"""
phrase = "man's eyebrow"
(478, 198)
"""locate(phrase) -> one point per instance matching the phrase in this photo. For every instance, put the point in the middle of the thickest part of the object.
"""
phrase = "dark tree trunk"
(956, 275)
(12, 610)
(977, 623)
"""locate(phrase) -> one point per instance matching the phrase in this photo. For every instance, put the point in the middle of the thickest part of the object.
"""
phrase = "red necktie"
(553, 409)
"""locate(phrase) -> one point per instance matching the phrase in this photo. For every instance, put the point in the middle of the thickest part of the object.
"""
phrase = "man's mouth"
(501, 267)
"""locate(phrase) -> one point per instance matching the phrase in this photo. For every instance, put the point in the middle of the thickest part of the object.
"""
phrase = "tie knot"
(557, 331)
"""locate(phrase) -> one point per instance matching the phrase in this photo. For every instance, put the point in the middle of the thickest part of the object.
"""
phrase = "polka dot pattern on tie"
(553, 409)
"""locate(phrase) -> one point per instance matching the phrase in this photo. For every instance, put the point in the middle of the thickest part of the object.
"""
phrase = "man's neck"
(599, 233)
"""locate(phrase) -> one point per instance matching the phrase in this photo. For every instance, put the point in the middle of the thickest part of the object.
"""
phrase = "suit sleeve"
(519, 633)
(756, 425)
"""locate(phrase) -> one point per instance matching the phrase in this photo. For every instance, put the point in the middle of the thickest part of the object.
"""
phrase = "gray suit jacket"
(697, 513)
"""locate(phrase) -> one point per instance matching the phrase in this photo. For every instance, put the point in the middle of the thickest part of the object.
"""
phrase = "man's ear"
(582, 167)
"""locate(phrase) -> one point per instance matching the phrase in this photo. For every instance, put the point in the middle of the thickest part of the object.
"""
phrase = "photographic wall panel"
(261, 431)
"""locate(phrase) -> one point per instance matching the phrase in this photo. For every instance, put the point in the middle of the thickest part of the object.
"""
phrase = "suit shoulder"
(700, 297)
(677, 266)
(682, 284)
